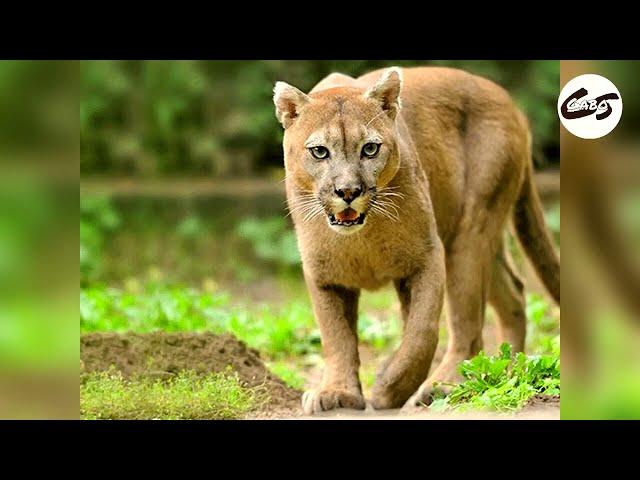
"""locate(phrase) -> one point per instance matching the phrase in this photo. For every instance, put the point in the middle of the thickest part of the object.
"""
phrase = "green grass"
(278, 331)
(503, 383)
(187, 396)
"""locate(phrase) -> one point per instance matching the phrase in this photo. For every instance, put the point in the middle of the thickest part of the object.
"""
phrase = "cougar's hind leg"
(468, 274)
(506, 296)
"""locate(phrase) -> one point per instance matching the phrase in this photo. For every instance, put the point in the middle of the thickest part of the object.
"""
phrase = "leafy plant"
(503, 382)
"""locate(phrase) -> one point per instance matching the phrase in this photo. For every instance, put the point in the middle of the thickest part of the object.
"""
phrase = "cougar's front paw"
(320, 400)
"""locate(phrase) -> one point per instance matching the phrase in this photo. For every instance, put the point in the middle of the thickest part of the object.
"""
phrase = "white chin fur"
(346, 230)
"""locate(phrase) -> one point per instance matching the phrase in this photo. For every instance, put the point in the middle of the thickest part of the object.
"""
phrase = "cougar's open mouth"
(347, 218)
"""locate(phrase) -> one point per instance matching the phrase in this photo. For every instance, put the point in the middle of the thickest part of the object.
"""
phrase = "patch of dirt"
(161, 355)
(542, 402)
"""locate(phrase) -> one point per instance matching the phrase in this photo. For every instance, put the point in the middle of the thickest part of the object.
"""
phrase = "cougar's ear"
(386, 91)
(288, 101)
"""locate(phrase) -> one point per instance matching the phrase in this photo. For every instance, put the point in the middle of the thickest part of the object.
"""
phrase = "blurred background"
(601, 266)
(214, 119)
(39, 164)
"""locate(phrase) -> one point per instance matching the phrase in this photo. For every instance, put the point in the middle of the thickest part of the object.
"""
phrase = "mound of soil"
(161, 355)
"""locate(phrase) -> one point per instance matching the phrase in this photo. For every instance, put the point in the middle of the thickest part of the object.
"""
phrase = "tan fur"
(454, 159)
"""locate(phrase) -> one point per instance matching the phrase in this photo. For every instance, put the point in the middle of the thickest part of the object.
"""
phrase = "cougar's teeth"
(358, 221)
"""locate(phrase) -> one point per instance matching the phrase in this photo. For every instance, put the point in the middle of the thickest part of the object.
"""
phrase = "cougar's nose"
(348, 194)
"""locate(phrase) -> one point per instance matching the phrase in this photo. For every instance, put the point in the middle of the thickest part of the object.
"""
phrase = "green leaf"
(505, 351)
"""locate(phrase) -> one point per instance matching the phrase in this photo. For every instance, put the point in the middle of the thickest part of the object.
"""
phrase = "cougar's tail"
(529, 224)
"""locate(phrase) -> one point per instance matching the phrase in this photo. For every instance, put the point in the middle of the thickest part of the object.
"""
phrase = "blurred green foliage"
(37, 256)
(624, 74)
(543, 324)
(215, 118)
(98, 217)
(182, 241)
(38, 101)
(272, 240)
(552, 219)
(610, 388)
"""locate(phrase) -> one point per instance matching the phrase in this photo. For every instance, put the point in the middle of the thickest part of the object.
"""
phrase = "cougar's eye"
(319, 152)
(370, 150)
